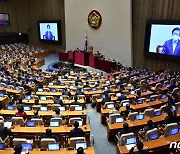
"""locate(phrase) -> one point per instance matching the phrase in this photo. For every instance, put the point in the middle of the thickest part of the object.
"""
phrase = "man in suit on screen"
(172, 46)
(48, 35)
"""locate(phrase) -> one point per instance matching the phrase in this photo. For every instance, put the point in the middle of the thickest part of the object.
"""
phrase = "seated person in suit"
(87, 85)
(171, 118)
(116, 110)
(35, 116)
(139, 146)
(80, 150)
(58, 101)
(172, 99)
(80, 92)
(125, 129)
(18, 149)
(4, 131)
(76, 132)
(78, 80)
(57, 114)
(65, 91)
(75, 101)
(49, 134)
(21, 112)
(106, 99)
(172, 85)
(150, 125)
(128, 109)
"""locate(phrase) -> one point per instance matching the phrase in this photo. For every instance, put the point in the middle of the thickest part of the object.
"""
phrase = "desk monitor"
(163, 84)
(1, 85)
(59, 78)
(81, 144)
(30, 124)
(148, 80)
(139, 101)
(2, 146)
(27, 108)
(43, 98)
(27, 146)
(118, 94)
(40, 90)
(129, 84)
(96, 83)
(152, 99)
(84, 84)
(110, 106)
(93, 89)
(27, 97)
(53, 90)
(8, 124)
(107, 82)
(163, 96)
(119, 120)
(69, 79)
(78, 108)
(144, 89)
(174, 131)
(139, 116)
(31, 77)
(103, 96)
(125, 103)
(50, 83)
(39, 78)
(118, 86)
(131, 140)
(17, 88)
(157, 113)
(54, 124)
(80, 122)
(11, 107)
(117, 81)
(43, 108)
(53, 147)
(154, 136)
(62, 84)
(29, 82)
(132, 92)
(62, 108)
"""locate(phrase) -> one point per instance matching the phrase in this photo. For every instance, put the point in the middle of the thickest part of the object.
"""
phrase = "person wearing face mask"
(172, 46)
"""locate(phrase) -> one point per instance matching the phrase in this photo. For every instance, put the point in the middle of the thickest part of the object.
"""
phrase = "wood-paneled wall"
(18, 13)
(24, 15)
(143, 10)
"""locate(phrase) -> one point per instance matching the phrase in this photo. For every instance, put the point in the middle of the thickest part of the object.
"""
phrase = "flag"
(85, 43)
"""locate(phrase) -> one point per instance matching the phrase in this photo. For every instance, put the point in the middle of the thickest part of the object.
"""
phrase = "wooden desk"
(89, 150)
(4, 101)
(45, 93)
(137, 107)
(160, 144)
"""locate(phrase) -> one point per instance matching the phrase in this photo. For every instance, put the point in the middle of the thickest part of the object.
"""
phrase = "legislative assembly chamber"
(89, 76)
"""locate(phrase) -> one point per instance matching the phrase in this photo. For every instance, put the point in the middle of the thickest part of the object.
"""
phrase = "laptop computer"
(163, 96)
(93, 89)
(11, 107)
(130, 142)
(154, 136)
(30, 124)
(27, 146)
(62, 84)
(39, 78)
(174, 131)
(118, 94)
(125, 103)
(53, 147)
(2, 146)
(139, 101)
(62, 108)
(78, 108)
(27, 108)
(119, 120)
(53, 90)
(81, 144)
(129, 84)
(43, 108)
(144, 89)
(50, 83)
(40, 90)
(157, 113)
(17, 88)
(27, 97)
(69, 79)
(80, 122)
(107, 82)
(54, 124)
(103, 96)
(117, 81)
(110, 106)
(152, 99)
(132, 92)
(43, 98)
(29, 82)
(8, 87)
(139, 116)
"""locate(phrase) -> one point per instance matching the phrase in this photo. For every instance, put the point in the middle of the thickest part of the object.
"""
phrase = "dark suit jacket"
(4, 132)
(168, 48)
(169, 120)
(106, 99)
(138, 152)
(125, 131)
(77, 132)
(75, 103)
